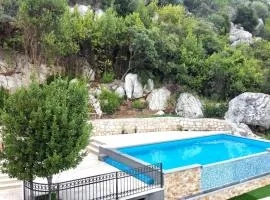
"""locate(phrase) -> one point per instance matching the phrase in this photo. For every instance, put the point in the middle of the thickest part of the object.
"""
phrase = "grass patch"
(255, 194)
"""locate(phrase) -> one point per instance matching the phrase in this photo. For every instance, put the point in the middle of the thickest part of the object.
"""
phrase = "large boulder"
(149, 86)
(250, 108)
(133, 87)
(189, 106)
(238, 35)
(157, 99)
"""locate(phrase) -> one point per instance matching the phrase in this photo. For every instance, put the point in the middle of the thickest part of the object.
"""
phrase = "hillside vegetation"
(187, 42)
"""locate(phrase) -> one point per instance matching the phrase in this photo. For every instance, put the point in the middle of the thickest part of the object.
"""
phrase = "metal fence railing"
(113, 185)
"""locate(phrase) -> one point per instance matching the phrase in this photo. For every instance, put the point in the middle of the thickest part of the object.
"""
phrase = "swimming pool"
(202, 150)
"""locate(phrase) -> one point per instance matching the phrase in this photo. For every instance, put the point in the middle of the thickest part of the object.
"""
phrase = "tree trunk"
(49, 179)
(31, 190)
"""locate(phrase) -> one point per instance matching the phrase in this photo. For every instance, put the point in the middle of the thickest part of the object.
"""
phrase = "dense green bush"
(246, 16)
(107, 77)
(109, 101)
(138, 104)
(213, 109)
(230, 73)
(3, 96)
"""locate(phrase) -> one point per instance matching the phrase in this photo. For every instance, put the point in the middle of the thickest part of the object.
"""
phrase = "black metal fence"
(101, 187)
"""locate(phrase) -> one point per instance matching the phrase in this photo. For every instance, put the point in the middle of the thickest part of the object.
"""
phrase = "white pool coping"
(124, 140)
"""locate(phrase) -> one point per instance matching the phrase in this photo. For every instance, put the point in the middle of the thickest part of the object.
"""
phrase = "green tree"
(36, 19)
(125, 7)
(260, 9)
(45, 129)
(246, 16)
(230, 73)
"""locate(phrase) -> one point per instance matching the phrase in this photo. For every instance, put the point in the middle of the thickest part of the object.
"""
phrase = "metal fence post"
(161, 176)
(24, 190)
(116, 185)
(58, 189)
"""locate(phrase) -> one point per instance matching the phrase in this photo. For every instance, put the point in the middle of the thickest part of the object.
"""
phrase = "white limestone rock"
(17, 71)
(95, 104)
(189, 106)
(260, 26)
(133, 87)
(238, 35)
(250, 108)
(159, 113)
(82, 9)
(149, 86)
(120, 91)
(87, 71)
(157, 99)
(241, 129)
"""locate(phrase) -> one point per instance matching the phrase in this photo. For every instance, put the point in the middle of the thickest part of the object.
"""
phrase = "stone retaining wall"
(156, 124)
(182, 183)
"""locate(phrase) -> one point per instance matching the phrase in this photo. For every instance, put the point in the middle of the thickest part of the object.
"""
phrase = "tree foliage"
(246, 17)
(45, 129)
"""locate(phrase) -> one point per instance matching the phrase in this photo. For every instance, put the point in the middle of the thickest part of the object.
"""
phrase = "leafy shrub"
(107, 77)
(137, 104)
(109, 101)
(246, 17)
(214, 109)
(3, 95)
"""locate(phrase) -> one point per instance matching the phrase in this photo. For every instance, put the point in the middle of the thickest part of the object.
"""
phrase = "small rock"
(159, 113)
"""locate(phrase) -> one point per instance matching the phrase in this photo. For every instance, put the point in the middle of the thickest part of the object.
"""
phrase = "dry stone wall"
(102, 127)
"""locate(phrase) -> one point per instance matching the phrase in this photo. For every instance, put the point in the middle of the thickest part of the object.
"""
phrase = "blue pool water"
(202, 150)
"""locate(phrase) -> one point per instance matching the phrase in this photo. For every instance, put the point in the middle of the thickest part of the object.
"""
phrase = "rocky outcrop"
(250, 108)
(133, 87)
(157, 99)
(189, 106)
(238, 35)
(87, 71)
(17, 71)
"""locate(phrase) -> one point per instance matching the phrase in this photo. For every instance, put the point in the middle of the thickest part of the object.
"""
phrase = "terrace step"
(94, 145)
(96, 141)
(8, 183)
(6, 186)
(92, 150)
